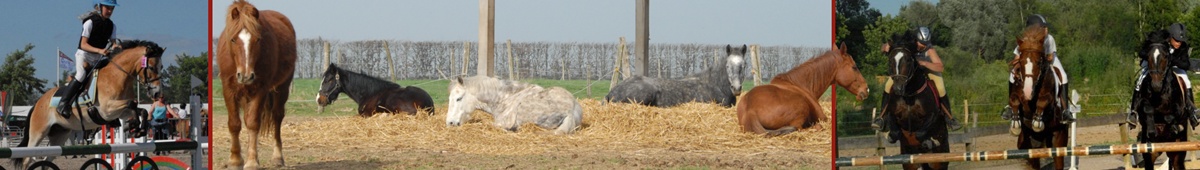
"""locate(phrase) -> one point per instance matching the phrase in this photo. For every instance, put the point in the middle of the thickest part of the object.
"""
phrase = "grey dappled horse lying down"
(720, 83)
(513, 103)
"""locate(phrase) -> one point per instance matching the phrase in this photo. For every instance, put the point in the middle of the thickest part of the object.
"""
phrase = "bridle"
(907, 75)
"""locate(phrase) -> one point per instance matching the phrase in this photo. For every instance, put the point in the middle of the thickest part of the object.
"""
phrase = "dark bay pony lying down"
(790, 101)
(373, 95)
(720, 83)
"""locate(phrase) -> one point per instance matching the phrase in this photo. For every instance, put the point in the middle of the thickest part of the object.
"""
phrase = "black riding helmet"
(1036, 19)
(1178, 32)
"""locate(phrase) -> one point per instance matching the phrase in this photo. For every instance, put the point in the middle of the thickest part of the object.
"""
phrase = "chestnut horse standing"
(1160, 106)
(790, 101)
(115, 97)
(1036, 98)
(256, 55)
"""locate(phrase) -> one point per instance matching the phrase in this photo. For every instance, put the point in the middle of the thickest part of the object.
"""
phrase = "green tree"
(16, 77)
(924, 13)
(855, 16)
(979, 25)
(178, 76)
(1159, 14)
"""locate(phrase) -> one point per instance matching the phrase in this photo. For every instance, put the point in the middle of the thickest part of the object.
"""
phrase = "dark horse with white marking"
(720, 83)
(920, 124)
(1037, 95)
(1161, 109)
(257, 56)
(372, 94)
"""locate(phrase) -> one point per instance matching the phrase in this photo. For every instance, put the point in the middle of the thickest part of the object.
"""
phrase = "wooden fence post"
(612, 82)
(757, 69)
(508, 44)
(466, 55)
(879, 149)
(388, 53)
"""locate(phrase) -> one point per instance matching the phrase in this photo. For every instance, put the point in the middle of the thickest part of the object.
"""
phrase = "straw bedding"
(691, 128)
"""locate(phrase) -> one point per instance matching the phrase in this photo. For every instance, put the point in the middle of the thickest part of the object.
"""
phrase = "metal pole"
(198, 157)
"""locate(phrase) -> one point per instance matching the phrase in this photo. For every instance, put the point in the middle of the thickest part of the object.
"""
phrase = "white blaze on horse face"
(1028, 85)
(245, 37)
(1155, 56)
(897, 58)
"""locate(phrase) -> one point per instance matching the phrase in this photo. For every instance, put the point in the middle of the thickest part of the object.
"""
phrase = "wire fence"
(990, 111)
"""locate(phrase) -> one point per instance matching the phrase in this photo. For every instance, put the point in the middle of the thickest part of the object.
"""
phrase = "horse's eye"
(459, 99)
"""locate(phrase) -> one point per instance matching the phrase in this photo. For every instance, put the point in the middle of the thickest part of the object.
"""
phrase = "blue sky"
(891, 6)
(766, 22)
(180, 26)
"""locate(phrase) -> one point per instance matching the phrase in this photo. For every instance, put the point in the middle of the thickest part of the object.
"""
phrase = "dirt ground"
(66, 162)
(613, 136)
(1095, 135)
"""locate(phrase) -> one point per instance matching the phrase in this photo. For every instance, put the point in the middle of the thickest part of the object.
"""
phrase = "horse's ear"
(744, 48)
(728, 49)
(254, 12)
(458, 80)
(885, 47)
(233, 13)
(843, 48)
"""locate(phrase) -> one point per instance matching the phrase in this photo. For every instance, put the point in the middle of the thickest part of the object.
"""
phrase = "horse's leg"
(1060, 140)
(235, 127)
(1176, 160)
(279, 103)
(35, 135)
(906, 149)
(1148, 161)
(251, 118)
(58, 137)
(1023, 142)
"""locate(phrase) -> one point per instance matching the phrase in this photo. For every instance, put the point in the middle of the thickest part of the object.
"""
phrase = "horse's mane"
(810, 74)
(906, 40)
(1031, 39)
(363, 83)
(241, 15)
(152, 49)
(1154, 37)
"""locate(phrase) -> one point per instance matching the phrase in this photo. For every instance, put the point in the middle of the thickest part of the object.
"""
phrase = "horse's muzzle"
(454, 124)
(245, 78)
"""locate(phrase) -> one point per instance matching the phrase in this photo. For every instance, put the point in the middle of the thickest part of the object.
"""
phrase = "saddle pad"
(91, 93)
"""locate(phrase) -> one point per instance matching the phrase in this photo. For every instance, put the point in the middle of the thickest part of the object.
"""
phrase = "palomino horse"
(790, 101)
(256, 55)
(1161, 109)
(912, 104)
(137, 63)
(372, 94)
(1036, 97)
(513, 103)
(720, 83)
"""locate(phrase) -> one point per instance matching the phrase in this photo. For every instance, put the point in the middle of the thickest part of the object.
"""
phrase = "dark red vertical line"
(210, 89)
(833, 133)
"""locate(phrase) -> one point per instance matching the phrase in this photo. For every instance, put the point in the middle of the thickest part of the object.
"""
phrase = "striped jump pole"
(95, 149)
(1019, 154)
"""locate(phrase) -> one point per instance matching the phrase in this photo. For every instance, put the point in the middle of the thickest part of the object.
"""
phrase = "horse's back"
(637, 89)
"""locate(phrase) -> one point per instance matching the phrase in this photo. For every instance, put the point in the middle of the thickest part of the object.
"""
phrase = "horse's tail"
(572, 121)
(17, 162)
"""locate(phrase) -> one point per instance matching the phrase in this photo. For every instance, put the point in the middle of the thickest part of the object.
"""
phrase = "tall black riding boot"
(68, 98)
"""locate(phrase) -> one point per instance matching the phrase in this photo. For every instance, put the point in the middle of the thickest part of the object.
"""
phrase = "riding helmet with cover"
(112, 3)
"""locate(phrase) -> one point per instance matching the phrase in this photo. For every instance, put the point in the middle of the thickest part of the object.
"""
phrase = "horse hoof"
(1015, 128)
(1038, 126)
(278, 162)
(251, 166)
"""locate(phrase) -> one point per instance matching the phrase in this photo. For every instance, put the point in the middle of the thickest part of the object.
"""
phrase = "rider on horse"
(927, 58)
(1059, 79)
(1178, 59)
(98, 30)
